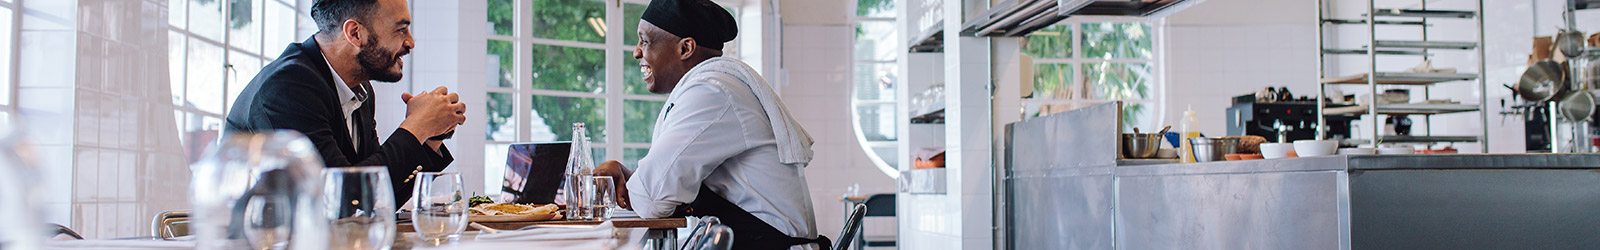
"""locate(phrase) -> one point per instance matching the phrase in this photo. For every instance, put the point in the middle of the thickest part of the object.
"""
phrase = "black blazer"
(296, 92)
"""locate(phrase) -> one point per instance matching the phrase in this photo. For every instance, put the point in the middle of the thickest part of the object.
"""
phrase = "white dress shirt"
(717, 133)
(352, 101)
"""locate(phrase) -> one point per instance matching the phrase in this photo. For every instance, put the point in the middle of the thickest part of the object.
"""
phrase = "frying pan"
(1544, 81)
(1578, 106)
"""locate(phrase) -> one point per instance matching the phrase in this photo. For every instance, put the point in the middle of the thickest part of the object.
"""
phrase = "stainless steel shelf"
(1405, 109)
(1426, 13)
(1403, 78)
(1364, 52)
(935, 117)
(1381, 22)
(931, 41)
(1414, 139)
(1426, 44)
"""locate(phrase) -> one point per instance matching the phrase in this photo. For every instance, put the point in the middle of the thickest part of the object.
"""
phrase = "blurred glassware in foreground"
(259, 191)
(441, 207)
(360, 208)
(20, 227)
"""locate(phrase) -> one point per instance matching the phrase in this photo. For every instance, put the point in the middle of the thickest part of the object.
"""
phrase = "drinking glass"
(602, 196)
(441, 212)
(360, 208)
(258, 191)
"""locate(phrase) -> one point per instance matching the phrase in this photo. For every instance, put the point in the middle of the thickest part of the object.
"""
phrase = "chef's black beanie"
(703, 20)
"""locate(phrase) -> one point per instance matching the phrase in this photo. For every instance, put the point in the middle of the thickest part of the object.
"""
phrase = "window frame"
(853, 21)
(9, 105)
(1077, 61)
(614, 94)
(187, 115)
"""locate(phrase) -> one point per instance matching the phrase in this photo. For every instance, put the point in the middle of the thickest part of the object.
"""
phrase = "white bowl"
(1309, 148)
(1276, 150)
(1396, 151)
(1357, 151)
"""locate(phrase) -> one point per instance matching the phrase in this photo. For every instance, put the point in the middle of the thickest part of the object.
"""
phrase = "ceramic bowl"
(1276, 150)
(1308, 148)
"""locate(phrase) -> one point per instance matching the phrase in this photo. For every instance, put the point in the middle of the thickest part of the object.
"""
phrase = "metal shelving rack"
(1373, 78)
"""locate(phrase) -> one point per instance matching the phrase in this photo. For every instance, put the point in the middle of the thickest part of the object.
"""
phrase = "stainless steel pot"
(1544, 81)
(1578, 106)
(1214, 148)
(1140, 146)
(1570, 43)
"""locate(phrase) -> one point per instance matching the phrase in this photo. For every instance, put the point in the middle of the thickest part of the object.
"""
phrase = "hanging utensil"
(1578, 106)
(1570, 43)
(1544, 81)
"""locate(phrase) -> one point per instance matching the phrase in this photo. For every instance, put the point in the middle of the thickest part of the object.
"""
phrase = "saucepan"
(1544, 81)
(1578, 106)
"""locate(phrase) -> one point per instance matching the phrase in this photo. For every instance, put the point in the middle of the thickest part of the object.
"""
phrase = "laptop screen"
(534, 172)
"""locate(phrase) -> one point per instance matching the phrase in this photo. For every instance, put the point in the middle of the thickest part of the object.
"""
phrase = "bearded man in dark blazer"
(322, 88)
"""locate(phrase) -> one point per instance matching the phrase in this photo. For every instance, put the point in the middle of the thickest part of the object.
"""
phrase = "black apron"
(749, 232)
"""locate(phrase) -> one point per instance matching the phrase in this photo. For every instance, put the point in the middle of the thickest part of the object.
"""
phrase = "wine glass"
(441, 212)
(360, 208)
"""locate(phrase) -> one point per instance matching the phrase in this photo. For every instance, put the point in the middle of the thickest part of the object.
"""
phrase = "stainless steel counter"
(1054, 197)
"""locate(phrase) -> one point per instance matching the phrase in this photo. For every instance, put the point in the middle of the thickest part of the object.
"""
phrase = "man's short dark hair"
(330, 14)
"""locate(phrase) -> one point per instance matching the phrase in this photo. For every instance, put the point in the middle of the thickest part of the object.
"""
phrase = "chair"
(63, 230)
(701, 231)
(852, 226)
(717, 237)
(879, 205)
(170, 224)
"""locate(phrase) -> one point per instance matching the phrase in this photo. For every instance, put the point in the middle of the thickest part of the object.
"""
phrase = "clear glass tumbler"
(602, 196)
(441, 212)
(360, 208)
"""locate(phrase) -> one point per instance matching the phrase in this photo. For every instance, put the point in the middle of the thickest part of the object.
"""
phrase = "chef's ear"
(354, 33)
(687, 47)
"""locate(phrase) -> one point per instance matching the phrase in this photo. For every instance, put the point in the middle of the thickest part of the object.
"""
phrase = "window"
(557, 62)
(8, 35)
(214, 53)
(1079, 63)
(874, 73)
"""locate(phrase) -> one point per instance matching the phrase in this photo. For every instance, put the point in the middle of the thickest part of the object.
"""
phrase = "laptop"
(534, 172)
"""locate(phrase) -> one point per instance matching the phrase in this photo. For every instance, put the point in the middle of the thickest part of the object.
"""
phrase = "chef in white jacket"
(724, 145)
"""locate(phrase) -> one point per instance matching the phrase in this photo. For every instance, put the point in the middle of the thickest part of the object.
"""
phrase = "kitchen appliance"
(1213, 148)
(1299, 120)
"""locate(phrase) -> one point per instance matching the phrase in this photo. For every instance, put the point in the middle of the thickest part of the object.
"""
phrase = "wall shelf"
(1405, 109)
(1403, 78)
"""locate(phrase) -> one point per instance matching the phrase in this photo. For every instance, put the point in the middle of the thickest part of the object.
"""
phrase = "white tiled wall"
(817, 92)
(94, 97)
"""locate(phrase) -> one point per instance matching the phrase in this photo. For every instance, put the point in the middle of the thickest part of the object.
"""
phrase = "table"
(662, 233)
(665, 223)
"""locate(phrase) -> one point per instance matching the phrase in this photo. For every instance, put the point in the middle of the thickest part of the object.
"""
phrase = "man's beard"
(375, 61)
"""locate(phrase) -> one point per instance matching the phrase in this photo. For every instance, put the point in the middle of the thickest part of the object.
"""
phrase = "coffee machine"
(1297, 118)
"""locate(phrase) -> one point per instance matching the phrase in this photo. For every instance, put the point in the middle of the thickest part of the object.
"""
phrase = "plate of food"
(504, 212)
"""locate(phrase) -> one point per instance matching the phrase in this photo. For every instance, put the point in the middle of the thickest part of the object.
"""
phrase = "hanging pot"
(1570, 43)
(1546, 80)
(1578, 106)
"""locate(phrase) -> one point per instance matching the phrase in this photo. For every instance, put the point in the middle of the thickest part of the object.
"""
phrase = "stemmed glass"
(441, 212)
(360, 207)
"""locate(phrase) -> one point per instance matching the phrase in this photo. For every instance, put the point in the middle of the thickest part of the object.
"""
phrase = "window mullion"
(614, 82)
(523, 65)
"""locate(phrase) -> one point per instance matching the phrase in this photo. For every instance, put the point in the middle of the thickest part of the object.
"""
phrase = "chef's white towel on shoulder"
(794, 144)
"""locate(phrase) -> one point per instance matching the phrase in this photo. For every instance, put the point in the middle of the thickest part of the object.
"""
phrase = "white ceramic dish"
(1396, 151)
(1357, 151)
(1309, 148)
(1276, 150)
